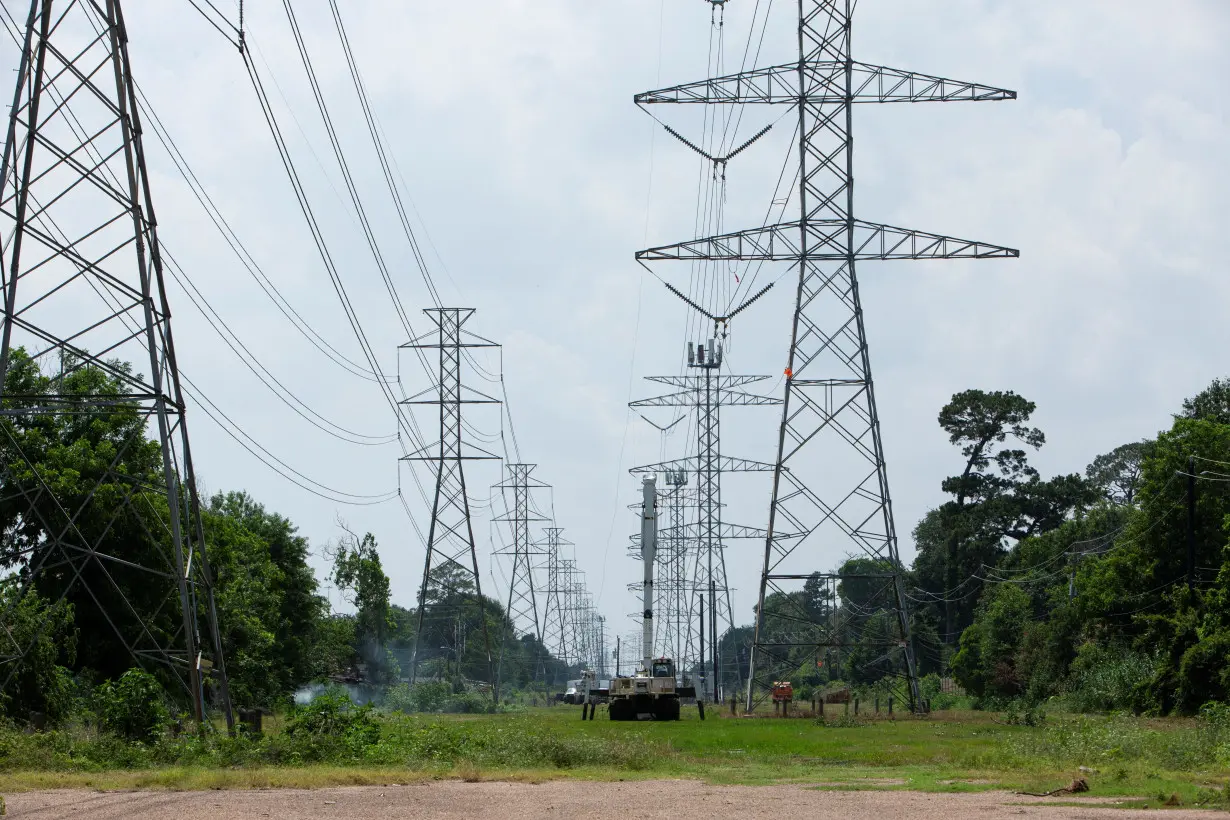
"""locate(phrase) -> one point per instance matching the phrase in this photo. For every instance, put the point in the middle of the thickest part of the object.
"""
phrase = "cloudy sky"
(534, 179)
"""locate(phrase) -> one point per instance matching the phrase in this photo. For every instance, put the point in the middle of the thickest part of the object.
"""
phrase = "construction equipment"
(573, 694)
(652, 693)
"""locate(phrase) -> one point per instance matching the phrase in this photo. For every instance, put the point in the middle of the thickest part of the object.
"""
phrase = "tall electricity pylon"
(673, 591)
(707, 393)
(830, 487)
(87, 345)
(557, 627)
(522, 608)
(451, 578)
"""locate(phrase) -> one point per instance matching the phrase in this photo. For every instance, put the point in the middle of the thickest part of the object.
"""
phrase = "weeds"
(349, 743)
(1117, 739)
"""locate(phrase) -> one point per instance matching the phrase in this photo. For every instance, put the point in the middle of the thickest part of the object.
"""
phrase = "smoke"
(306, 694)
(359, 694)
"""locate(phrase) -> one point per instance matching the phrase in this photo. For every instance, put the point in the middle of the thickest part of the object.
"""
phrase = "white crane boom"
(649, 549)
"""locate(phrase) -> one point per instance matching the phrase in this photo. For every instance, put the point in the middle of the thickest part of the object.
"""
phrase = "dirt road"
(445, 800)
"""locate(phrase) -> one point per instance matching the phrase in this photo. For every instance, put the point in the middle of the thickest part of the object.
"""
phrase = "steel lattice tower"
(522, 606)
(84, 298)
(557, 628)
(451, 578)
(673, 604)
(707, 393)
(829, 415)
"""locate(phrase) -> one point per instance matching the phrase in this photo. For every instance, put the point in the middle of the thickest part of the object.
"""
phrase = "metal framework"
(707, 393)
(818, 514)
(557, 629)
(673, 589)
(522, 606)
(87, 346)
(451, 577)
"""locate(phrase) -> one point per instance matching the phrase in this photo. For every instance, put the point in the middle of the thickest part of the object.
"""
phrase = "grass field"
(1159, 761)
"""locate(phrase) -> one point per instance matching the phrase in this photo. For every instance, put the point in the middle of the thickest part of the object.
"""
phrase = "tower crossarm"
(726, 531)
(825, 81)
(697, 381)
(726, 464)
(827, 239)
(725, 398)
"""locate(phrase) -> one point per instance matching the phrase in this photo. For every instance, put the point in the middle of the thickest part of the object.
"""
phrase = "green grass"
(1156, 761)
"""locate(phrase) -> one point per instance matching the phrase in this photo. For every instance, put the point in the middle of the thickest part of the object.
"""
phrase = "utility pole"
(701, 615)
(830, 494)
(82, 276)
(1191, 523)
(451, 578)
(601, 670)
(713, 643)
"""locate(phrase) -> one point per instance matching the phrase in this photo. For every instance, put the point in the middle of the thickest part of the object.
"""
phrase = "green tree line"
(278, 632)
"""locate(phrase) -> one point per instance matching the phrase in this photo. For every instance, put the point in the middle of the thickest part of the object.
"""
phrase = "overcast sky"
(534, 180)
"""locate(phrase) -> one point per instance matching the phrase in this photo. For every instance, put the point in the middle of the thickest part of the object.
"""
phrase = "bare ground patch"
(449, 799)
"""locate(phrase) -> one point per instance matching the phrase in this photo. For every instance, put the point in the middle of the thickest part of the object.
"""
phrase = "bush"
(1106, 678)
(44, 633)
(331, 726)
(134, 707)
(1204, 672)
(929, 687)
(435, 697)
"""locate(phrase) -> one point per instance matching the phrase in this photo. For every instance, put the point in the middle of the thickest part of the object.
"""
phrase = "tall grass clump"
(435, 697)
(1091, 741)
(1106, 678)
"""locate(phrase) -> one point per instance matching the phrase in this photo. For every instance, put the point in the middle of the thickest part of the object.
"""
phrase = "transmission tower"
(522, 607)
(557, 629)
(830, 487)
(450, 572)
(84, 298)
(672, 592)
(707, 393)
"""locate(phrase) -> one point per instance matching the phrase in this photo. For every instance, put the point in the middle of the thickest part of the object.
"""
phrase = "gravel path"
(444, 800)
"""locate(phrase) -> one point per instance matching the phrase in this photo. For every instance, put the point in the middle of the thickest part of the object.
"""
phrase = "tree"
(1139, 591)
(986, 663)
(43, 632)
(101, 466)
(360, 578)
(1210, 404)
(300, 607)
(997, 499)
(978, 421)
(1117, 474)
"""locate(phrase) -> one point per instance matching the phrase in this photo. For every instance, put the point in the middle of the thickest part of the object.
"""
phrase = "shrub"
(332, 726)
(44, 633)
(1105, 678)
(1204, 672)
(133, 707)
(435, 696)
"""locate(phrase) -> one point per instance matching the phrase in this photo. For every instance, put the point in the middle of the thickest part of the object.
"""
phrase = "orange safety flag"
(789, 373)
